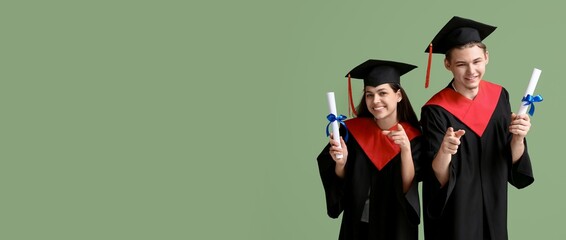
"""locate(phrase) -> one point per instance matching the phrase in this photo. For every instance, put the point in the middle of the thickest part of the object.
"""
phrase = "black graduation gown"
(473, 204)
(392, 213)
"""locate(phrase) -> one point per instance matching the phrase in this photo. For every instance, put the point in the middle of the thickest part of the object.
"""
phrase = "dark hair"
(448, 54)
(405, 112)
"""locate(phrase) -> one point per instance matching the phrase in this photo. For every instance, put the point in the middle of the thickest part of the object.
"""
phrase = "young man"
(475, 143)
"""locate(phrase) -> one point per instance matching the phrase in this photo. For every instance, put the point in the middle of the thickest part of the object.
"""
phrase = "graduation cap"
(376, 72)
(457, 32)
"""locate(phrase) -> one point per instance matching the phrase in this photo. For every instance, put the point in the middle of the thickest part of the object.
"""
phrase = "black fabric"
(473, 204)
(376, 72)
(393, 214)
(459, 31)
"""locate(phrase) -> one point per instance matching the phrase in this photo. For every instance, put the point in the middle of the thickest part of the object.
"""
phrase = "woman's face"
(382, 102)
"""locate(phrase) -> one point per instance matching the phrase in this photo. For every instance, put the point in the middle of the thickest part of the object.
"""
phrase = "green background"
(202, 119)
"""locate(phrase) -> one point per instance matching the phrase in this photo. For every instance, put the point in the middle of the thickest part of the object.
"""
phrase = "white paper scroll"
(334, 124)
(530, 90)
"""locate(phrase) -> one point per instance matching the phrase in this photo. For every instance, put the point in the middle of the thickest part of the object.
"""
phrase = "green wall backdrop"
(202, 119)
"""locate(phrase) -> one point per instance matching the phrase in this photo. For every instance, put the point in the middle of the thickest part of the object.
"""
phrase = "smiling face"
(382, 102)
(467, 64)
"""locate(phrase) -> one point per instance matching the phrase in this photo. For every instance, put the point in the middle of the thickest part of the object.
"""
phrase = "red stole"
(378, 147)
(473, 113)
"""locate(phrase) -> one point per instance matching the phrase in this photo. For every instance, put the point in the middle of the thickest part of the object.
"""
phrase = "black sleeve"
(412, 200)
(434, 125)
(333, 185)
(520, 173)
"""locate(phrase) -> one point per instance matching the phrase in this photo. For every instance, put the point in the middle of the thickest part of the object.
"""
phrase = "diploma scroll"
(530, 90)
(335, 126)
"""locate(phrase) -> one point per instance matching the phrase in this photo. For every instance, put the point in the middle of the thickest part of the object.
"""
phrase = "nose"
(470, 69)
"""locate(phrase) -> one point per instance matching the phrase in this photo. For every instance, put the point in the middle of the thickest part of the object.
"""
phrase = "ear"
(446, 64)
(399, 95)
(486, 55)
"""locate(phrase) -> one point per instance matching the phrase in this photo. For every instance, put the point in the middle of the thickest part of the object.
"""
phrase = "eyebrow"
(461, 61)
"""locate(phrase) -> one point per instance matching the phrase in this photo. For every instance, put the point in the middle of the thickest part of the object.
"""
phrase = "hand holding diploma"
(520, 122)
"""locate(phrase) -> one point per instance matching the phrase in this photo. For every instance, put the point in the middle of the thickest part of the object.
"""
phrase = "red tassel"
(350, 101)
(428, 65)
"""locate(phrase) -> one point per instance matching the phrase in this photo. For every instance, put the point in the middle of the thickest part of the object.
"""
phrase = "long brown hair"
(405, 112)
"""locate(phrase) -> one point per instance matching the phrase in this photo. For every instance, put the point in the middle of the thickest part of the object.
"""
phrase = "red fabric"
(428, 65)
(378, 147)
(350, 101)
(474, 113)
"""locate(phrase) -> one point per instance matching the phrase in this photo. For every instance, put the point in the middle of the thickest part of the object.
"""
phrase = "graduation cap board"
(377, 72)
(457, 32)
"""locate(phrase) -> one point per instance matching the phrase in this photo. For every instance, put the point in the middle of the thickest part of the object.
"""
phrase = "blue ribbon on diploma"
(530, 100)
(331, 118)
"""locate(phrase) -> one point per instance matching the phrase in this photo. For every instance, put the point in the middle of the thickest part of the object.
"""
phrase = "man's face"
(468, 66)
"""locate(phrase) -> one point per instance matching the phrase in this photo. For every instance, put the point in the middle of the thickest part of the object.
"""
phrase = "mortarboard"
(376, 72)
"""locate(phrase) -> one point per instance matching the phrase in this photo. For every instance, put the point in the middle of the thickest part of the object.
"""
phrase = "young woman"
(375, 183)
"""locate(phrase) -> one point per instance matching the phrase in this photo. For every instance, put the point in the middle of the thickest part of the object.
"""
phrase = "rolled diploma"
(530, 90)
(335, 126)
